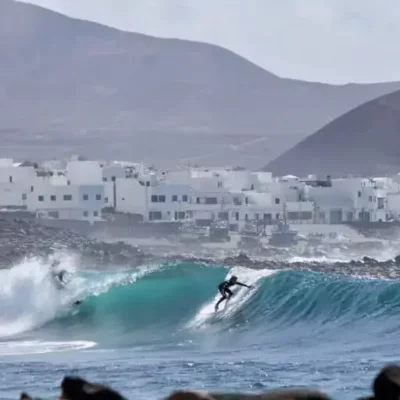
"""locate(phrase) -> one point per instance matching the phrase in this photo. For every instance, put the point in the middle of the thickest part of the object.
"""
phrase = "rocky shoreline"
(23, 239)
(366, 267)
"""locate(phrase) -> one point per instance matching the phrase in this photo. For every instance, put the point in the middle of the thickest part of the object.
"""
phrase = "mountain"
(364, 141)
(69, 85)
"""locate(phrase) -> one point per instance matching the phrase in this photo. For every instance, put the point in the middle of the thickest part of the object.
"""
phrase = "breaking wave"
(170, 302)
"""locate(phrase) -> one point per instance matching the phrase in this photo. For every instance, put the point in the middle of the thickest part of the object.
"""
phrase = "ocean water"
(151, 330)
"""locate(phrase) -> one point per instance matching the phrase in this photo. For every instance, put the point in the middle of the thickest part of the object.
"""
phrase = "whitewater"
(150, 330)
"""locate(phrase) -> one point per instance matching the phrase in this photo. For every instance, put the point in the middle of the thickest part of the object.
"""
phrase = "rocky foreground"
(386, 386)
(22, 239)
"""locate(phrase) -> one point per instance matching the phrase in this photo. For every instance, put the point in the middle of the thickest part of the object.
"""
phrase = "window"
(53, 197)
(359, 194)
(95, 213)
(237, 216)
(67, 197)
(299, 215)
(179, 215)
(68, 182)
(148, 183)
(198, 200)
(370, 198)
(219, 184)
(98, 196)
(154, 198)
(10, 179)
(113, 178)
(41, 198)
(185, 198)
(104, 179)
(161, 199)
(106, 200)
(155, 215)
(267, 217)
(277, 200)
(174, 198)
(85, 213)
(31, 188)
(252, 187)
(211, 200)
(24, 196)
(85, 197)
(53, 214)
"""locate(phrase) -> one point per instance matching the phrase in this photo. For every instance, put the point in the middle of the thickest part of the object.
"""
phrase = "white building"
(15, 182)
(70, 202)
(347, 200)
(83, 188)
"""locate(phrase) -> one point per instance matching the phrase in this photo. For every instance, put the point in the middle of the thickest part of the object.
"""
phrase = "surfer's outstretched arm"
(243, 284)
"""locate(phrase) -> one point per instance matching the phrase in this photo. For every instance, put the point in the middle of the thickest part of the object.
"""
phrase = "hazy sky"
(335, 41)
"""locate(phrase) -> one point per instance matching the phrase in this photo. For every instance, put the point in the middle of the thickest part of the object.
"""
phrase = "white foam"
(28, 297)
(319, 259)
(17, 348)
(245, 275)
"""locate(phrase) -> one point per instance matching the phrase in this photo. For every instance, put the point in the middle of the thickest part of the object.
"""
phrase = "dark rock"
(386, 385)
(20, 239)
(369, 260)
(383, 269)
(73, 388)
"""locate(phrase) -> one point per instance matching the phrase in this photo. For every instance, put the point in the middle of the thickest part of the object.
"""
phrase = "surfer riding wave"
(226, 293)
(60, 279)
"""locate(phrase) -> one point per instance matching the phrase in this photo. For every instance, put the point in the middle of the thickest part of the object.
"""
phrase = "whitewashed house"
(77, 194)
(68, 202)
(15, 182)
(351, 199)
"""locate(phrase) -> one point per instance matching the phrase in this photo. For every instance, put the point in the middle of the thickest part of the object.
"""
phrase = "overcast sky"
(335, 41)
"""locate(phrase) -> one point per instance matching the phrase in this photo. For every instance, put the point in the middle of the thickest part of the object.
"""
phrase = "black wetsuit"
(224, 288)
(225, 291)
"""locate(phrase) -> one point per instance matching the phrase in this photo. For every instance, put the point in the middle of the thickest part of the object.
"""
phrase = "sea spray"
(28, 297)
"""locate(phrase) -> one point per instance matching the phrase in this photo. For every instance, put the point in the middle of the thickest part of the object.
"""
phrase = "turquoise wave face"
(174, 302)
(177, 301)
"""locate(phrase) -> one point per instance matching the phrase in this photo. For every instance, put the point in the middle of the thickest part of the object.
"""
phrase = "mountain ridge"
(70, 85)
(363, 141)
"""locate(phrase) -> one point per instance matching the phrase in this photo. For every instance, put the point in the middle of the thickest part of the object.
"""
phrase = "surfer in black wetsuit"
(225, 291)
(61, 283)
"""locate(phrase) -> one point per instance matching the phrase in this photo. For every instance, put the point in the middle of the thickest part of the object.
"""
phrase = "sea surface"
(151, 330)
